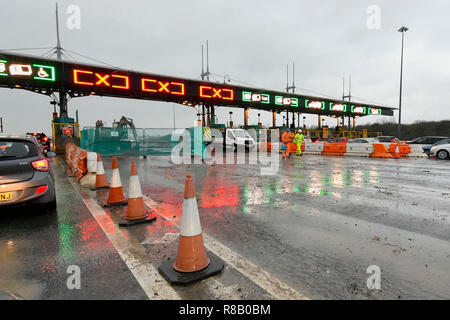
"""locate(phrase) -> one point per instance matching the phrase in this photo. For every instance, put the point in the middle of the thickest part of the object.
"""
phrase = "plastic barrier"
(334, 149)
(265, 146)
(294, 147)
(380, 151)
(314, 147)
(403, 149)
(88, 180)
(359, 149)
(416, 151)
(76, 158)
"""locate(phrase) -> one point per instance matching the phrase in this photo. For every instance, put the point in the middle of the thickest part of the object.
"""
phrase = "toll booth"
(65, 130)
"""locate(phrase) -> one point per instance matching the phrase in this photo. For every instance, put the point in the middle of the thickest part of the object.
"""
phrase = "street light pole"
(399, 131)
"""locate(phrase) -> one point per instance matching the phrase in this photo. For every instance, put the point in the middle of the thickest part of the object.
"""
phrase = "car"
(43, 140)
(385, 139)
(426, 140)
(441, 149)
(363, 140)
(345, 140)
(25, 173)
(426, 149)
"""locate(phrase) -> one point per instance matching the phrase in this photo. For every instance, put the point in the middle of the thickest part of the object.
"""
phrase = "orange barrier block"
(265, 146)
(380, 151)
(76, 159)
(399, 150)
(334, 149)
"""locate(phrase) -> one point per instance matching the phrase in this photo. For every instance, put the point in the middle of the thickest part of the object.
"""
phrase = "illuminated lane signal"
(314, 104)
(358, 110)
(89, 78)
(216, 93)
(156, 86)
(20, 70)
(248, 96)
(338, 107)
(102, 79)
(125, 82)
(375, 111)
(44, 72)
(286, 101)
(78, 73)
(3, 68)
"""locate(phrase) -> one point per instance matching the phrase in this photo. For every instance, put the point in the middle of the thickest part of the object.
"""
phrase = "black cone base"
(174, 277)
(110, 205)
(123, 222)
(99, 188)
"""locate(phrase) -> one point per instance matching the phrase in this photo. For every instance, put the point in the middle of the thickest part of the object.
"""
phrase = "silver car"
(25, 173)
(440, 150)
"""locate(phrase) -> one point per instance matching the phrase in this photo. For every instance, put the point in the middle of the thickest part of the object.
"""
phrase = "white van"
(238, 139)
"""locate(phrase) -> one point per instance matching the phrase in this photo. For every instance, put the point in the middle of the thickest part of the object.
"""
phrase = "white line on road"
(145, 273)
(258, 275)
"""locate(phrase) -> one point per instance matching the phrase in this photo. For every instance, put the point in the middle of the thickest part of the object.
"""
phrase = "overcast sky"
(251, 41)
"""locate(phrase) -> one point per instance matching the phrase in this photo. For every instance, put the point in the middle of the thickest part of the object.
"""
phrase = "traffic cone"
(115, 196)
(192, 263)
(396, 154)
(100, 177)
(136, 211)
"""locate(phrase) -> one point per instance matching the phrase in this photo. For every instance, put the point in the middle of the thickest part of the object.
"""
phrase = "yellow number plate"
(6, 196)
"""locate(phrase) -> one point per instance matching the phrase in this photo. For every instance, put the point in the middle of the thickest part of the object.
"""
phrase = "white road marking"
(256, 274)
(145, 273)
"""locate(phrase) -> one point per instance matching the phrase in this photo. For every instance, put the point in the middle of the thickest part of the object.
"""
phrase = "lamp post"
(399, 131)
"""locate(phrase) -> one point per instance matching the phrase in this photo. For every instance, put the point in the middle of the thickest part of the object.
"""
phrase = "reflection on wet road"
(313, 228)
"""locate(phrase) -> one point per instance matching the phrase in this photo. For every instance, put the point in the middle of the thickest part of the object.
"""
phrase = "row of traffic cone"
(136, 212)
(192, 263)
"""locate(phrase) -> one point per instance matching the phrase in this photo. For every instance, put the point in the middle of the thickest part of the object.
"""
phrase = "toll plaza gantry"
(47, 76)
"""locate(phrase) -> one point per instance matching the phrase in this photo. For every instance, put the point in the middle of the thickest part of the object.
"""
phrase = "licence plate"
(6, 196)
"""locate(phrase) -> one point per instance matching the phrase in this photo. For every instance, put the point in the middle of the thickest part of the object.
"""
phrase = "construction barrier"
(334, 149)
(265, 146)
(380, 151)
(359, 149)
(313, 147)
(416, 151)
(294, 147)
(89, 179)
(403, 149)
(82, 164)
(76, 158)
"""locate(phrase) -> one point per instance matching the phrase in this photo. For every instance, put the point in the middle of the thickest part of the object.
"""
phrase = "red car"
(43, 140)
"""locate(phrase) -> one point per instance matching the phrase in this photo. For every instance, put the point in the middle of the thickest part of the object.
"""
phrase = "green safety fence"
(140, 141)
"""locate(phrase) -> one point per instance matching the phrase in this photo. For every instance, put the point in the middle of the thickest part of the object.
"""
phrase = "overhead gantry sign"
(47, 76)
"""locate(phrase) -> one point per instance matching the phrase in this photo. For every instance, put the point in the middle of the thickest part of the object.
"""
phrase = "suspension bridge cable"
(20, 49)
(86, 57)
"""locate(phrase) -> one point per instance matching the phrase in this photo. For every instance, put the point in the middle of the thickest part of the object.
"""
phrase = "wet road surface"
(311, 230)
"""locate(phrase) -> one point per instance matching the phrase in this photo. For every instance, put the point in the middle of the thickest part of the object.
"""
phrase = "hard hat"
(287, 129)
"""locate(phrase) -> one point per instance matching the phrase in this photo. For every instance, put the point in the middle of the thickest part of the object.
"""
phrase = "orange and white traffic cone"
(397, 154)
(136, 211)
(192, 263)
(100, 177)
(115, 196)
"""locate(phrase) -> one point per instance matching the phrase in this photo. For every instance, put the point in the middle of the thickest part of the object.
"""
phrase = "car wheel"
(442, 154)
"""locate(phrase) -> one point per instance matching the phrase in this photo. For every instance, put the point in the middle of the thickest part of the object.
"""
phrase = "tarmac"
(311, 231)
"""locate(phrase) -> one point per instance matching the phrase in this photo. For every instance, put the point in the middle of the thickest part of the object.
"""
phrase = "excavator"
(119, 137)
